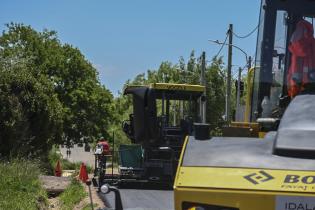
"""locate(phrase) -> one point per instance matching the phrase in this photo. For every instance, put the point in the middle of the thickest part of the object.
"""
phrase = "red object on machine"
(83, 175)
(105, 146)
(302, 48)
(58, 170)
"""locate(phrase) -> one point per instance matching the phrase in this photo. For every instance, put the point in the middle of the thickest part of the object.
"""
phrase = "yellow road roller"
(276, 172)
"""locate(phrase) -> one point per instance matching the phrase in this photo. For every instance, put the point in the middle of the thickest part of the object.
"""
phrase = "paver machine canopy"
(163, 115)
(147, 123)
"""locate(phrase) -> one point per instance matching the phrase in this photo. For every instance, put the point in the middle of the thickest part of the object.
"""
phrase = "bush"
(20, 187)
(30, 113)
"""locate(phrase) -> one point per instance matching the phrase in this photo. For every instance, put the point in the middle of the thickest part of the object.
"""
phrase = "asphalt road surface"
(79, 155)
(133, 199)
(136, 199)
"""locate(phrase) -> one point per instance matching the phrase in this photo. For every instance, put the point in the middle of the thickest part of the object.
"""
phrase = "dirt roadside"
(97, 202)
(56, 185)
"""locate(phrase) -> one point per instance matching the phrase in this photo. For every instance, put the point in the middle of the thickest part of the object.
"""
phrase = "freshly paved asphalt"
(133, 199)
(136, 199)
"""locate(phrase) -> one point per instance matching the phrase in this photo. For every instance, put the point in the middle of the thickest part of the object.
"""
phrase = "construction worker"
(301, 74)
(103, 144)
(68, 153)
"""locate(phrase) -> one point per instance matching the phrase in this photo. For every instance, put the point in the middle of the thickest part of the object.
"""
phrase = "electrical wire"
(236, 71)
(247, 35)
(224, 43)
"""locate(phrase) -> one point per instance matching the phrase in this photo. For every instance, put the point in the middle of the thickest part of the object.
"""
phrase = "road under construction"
(265, 162)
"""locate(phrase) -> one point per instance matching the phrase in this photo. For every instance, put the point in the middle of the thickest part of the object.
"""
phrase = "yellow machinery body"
(222, 188)
(266, 162)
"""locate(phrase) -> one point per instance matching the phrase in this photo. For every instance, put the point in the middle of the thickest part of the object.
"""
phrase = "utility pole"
(249, 63)
(203, 82)
(181, 103)
(238, 106)
(248, 102)
(229, 72)
(174, 113)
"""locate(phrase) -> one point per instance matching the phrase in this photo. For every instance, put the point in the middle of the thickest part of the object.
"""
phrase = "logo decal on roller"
(259, 177)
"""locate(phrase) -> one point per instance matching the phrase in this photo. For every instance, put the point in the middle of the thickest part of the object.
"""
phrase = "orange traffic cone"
(83, 175)
(58, 170)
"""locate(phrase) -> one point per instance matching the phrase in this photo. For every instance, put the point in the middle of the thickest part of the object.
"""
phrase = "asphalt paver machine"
(277, 171)
(163, 115)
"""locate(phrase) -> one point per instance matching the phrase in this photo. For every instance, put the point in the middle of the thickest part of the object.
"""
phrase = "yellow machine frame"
(171, 86)
(277, 172)
(252, 128)
(228, 187)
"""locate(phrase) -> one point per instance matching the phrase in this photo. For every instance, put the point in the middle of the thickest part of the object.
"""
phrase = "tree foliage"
(49, 93)
(181, 73)
(30, 112)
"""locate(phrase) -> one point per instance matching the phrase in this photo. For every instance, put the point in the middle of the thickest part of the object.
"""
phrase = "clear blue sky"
(125, 38)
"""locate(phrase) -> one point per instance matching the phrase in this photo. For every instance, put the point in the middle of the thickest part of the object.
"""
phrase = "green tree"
(30, 112)
(215, 92)
(184, 73)
(58, 72)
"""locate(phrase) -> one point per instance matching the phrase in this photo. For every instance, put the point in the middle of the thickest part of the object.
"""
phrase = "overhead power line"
(222, 45)
(247, 35)
(234, 74)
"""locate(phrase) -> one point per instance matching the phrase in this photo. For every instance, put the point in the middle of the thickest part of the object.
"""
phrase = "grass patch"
(20, 187)
(72, 195)
(88, 206)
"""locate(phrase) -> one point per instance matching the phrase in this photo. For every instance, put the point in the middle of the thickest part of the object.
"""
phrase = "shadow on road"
(145, 186)
(139, 195)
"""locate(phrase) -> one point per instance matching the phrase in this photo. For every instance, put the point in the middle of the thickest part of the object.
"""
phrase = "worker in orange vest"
(301, 73)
